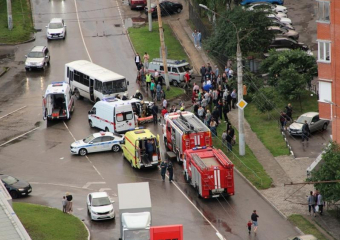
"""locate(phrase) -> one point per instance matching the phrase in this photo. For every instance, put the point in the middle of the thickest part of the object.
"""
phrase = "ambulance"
(135, 148)
(112, 115)
(58, 102)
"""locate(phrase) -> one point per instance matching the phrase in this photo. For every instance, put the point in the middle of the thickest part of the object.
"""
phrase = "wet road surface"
(41, 154)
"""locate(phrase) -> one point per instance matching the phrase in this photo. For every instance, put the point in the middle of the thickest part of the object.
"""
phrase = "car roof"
(99, 194)
(310, 114)
(38, 48)
(139, 134)
(274, 28)
(100, 134)
(284, 38)
(56, 20)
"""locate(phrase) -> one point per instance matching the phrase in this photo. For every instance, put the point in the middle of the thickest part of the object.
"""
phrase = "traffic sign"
(242, 104)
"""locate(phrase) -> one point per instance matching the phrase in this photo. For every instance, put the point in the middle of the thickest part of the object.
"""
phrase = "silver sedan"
(314, 123)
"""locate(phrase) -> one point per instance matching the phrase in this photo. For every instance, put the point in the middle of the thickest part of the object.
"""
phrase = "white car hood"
(55, 31)
(34, 60)
(78, 143)
(280, 8)
(102, 209)
(296, 126)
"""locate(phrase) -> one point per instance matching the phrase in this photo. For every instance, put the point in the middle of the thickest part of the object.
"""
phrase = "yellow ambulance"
(141, 148)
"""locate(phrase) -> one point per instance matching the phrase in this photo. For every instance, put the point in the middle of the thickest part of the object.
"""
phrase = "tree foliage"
(252, 27)
(330, 170)
(264, 99)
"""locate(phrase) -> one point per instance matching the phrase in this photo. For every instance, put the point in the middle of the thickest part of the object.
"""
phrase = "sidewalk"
(284, 169)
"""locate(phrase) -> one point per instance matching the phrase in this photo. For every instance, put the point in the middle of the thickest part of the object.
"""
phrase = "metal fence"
(195, 17)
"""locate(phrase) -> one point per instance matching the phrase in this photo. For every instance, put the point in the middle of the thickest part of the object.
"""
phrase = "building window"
(324, 51)
(325, 91)
(323, 11)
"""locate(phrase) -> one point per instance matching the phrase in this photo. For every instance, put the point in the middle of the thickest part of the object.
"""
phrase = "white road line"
(81, 32)
(104, 189)
(18, 136)
(57, 184)
(13, 112)
(90, 183)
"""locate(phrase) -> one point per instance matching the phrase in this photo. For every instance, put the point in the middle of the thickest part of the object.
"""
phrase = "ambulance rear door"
(124, 118)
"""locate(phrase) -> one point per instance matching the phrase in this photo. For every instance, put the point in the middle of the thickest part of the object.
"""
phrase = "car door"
(95, 145)
(89, 200)
(107, 143)
(315, 124)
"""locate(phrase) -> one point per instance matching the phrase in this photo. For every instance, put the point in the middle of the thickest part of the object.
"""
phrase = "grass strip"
(43, 222)
(305, 226)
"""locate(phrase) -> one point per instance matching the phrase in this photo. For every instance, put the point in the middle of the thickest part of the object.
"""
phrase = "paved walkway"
(284, 169)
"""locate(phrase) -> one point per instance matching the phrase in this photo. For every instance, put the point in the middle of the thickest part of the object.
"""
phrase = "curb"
(261, 195)
(88, 231)
(13, 44)
(287, 144)
(128, 36)
(4, 71)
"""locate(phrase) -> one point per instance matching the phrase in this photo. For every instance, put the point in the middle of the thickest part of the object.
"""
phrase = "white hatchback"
(98, 142)
(99, 206)
(56, 29)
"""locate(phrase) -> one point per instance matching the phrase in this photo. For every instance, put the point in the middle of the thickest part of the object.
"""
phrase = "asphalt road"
(40, 154)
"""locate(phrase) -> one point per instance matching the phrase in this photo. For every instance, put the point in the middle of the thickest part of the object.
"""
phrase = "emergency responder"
(154, 113)
(149, 147)
(138, 95)
(125, 96)
(170, 171)
(164, 166)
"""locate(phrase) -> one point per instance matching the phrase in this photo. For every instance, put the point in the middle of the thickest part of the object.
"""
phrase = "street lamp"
(242, 144)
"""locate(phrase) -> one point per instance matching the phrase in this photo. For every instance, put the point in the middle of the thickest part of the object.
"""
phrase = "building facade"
(328, 38)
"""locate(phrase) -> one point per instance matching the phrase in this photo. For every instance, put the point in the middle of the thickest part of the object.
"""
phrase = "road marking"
(104, 189)
(57, 184)
(90, 183)
(13, 112)
(18, 136)
(81, 32)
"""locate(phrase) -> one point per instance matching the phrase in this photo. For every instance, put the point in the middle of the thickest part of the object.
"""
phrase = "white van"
(112, 115)
(58, 102)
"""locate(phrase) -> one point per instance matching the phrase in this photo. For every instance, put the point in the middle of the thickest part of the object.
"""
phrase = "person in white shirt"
(165, 103)
(230, 73)
(146, 60)
(137, 61)
(156, 75)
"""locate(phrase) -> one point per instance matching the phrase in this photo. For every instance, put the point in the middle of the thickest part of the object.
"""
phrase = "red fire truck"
(209, 171)
(182, 131)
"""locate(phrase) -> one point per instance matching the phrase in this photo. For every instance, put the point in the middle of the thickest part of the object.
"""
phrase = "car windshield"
(187, 67)
(10, 180)
(103, 201)
(88, 139)
(116, 86)
(55, 25)
(302, 119)
(36, 55)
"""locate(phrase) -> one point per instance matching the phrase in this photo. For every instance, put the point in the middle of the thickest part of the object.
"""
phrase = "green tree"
(252, 27)
(329, 171)
(264, 100)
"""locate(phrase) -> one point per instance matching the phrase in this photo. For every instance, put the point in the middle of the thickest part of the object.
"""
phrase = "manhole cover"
(116, 25)
(38, 29)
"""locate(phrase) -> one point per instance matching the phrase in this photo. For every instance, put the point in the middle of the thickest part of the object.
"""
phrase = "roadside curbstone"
(3, 71)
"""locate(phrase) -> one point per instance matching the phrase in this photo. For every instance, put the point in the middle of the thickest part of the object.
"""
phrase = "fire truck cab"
(182, 131)
(209, 171)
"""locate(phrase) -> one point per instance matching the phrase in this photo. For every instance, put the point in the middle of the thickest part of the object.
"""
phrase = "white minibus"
(94, 82)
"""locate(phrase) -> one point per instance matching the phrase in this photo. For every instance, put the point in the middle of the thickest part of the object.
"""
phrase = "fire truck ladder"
(221, 158)
(199, 161)
(184, 125)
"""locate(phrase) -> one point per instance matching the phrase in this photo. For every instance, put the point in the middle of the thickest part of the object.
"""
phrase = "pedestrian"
(203, 71)
(200, 113)
(230, 73)
(225, 111)
(204, 102)
(170, 171)
(254, 218)
(137, 61)
(229, 141)
(154, 113)
(217, 71)
(194, 35)
(150, 149)
(146, 60)
(69, 204)
(138, 95)
(283, 120)
(207, 118)
(220, 109)
(173, 109)
(224, 137)
(209, 68)
(163, 166)
(152, 89)
(199, 39)
(182, 108)
(213, 127)
(158, 91)
(196, 88)
(164, 111)
(289, 112)
(164, 103)
(162, 94)
(156, 75)
(148, 80)
(136, 120)
(311, 203)
(215, 115)
(305, 132)
(249, 226)
(215, 97)
(234, 98)
(320, 203)
(64, 202)
(187, 79)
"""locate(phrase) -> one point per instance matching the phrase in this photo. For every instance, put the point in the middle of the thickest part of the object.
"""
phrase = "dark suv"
(284, 42)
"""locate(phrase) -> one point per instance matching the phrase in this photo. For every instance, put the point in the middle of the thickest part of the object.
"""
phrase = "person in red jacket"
(164, 111)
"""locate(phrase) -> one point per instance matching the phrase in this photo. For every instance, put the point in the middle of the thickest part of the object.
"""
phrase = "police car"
(98, 142)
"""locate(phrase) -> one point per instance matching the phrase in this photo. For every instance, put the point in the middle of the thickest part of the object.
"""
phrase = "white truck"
(134, 211)
(58, 101)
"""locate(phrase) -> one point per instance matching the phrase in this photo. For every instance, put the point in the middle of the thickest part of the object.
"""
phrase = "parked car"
(56, 29)
(98, 142)
(303, 237)
(167, 8)
(267, 10)
(282, 25)
(137, 4)
(15, 187)
(279, 2)
(99, 206)
(38, 57)
(267, 7)
(284, 42)
(267, 54)
(284, 32)
(313, 120)
(281, 19)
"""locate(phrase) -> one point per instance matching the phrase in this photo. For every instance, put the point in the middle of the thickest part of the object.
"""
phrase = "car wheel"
(324, 127)
(82, 152)
(90, 123)
(174, 83)
(115, 148)
(14, 194)
(107, 129)
(179, 10)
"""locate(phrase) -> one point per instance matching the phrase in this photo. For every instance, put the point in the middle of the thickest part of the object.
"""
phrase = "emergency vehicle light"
(197, 148)
(56, 84)
(102, 133)
(110, 99)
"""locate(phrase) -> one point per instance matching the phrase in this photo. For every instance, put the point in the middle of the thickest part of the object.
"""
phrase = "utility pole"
(149, 15)
(161, 36)
(242, 144)
(9, 14)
